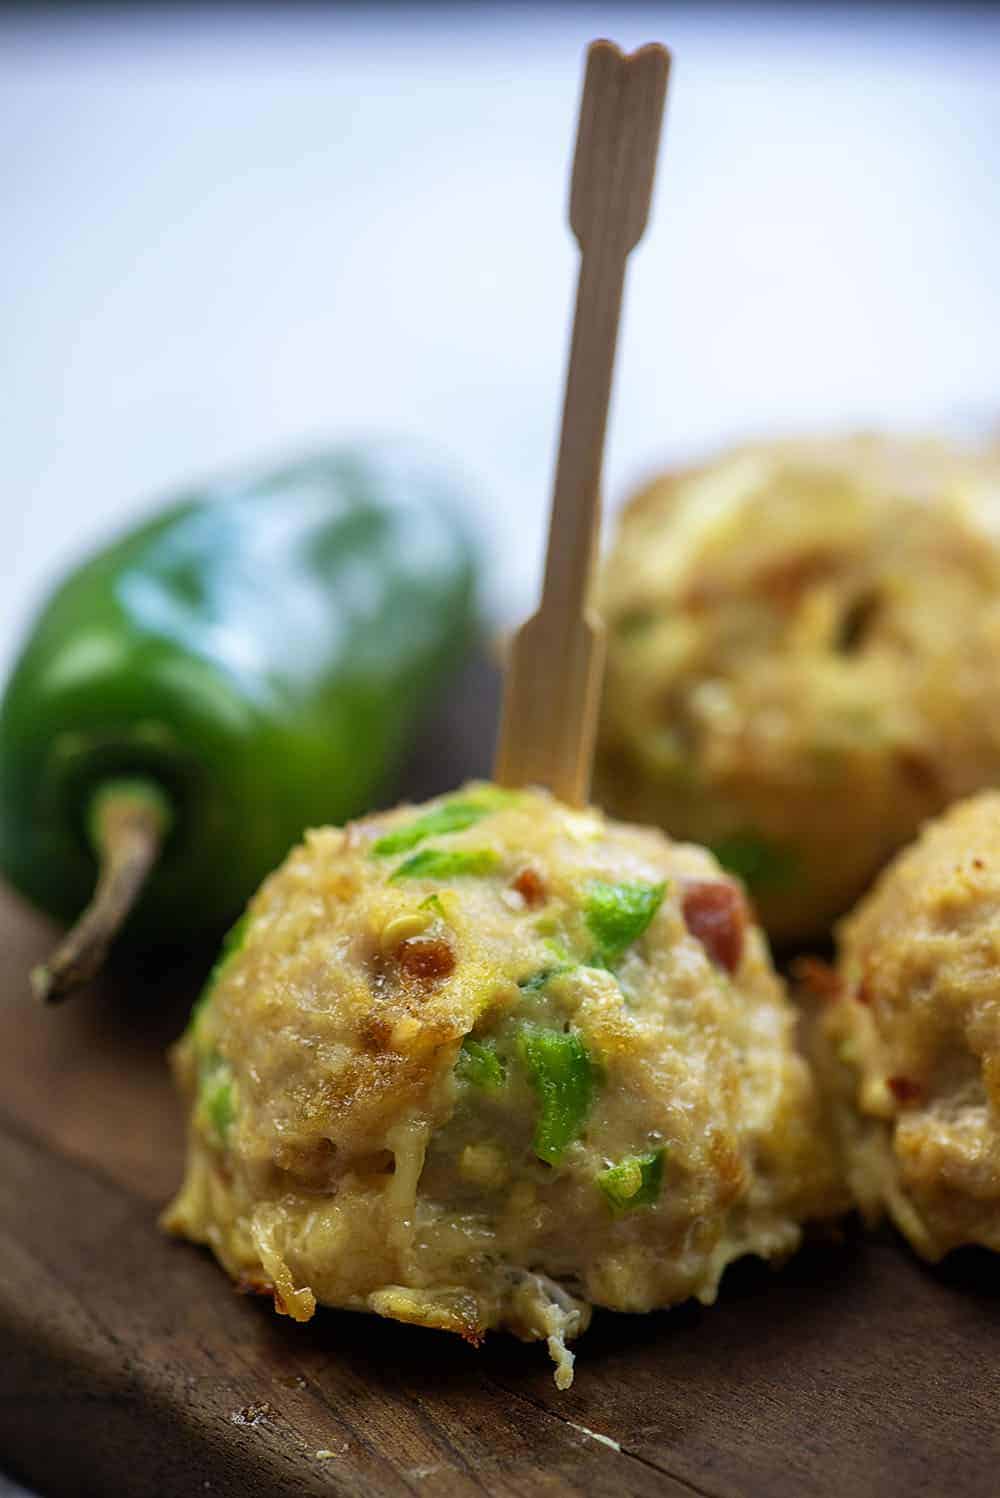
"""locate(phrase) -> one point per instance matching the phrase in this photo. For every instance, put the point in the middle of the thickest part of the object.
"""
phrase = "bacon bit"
(531, 887)
(784, 582)
(781, 582)
(425, 957)
(715, 913)
(865, 993)
(819, 978)
(904, 1089)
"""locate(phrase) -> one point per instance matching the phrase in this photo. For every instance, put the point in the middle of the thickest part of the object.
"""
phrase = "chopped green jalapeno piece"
(617, 914)
(441, 863)
(221, 1107)
(634, 1182)
(562, 1074)
(479, 1064)
(759, 862)
(218, 1096)
(453, 816)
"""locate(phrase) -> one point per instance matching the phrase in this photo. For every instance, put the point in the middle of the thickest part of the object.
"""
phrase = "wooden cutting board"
(128, 1366)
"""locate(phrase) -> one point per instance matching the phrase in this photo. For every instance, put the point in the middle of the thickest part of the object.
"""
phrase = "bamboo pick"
(552, 692)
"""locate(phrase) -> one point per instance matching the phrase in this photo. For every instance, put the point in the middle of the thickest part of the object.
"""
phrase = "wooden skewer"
(552, 692)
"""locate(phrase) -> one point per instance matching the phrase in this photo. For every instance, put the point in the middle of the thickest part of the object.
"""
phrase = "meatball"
(912, 1041)
(803, 641)
(491, 1062)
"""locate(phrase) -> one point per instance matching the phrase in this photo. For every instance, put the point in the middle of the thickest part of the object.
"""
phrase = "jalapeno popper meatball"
(912, 1042)
(803, 647)
(491, 1062)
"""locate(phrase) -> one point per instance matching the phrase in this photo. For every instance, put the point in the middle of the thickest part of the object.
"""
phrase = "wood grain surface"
(128, 1366)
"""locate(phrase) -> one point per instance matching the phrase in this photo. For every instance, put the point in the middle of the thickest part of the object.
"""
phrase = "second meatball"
(912, 1042)
(803, 648)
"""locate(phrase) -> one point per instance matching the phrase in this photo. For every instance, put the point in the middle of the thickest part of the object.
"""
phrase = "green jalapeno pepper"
(562, 1074)
(251, 662)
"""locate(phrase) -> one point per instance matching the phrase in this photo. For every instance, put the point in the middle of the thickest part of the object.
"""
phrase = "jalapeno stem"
(127, 822)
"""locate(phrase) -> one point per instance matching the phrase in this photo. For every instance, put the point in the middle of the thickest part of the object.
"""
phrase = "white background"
(230, 235)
